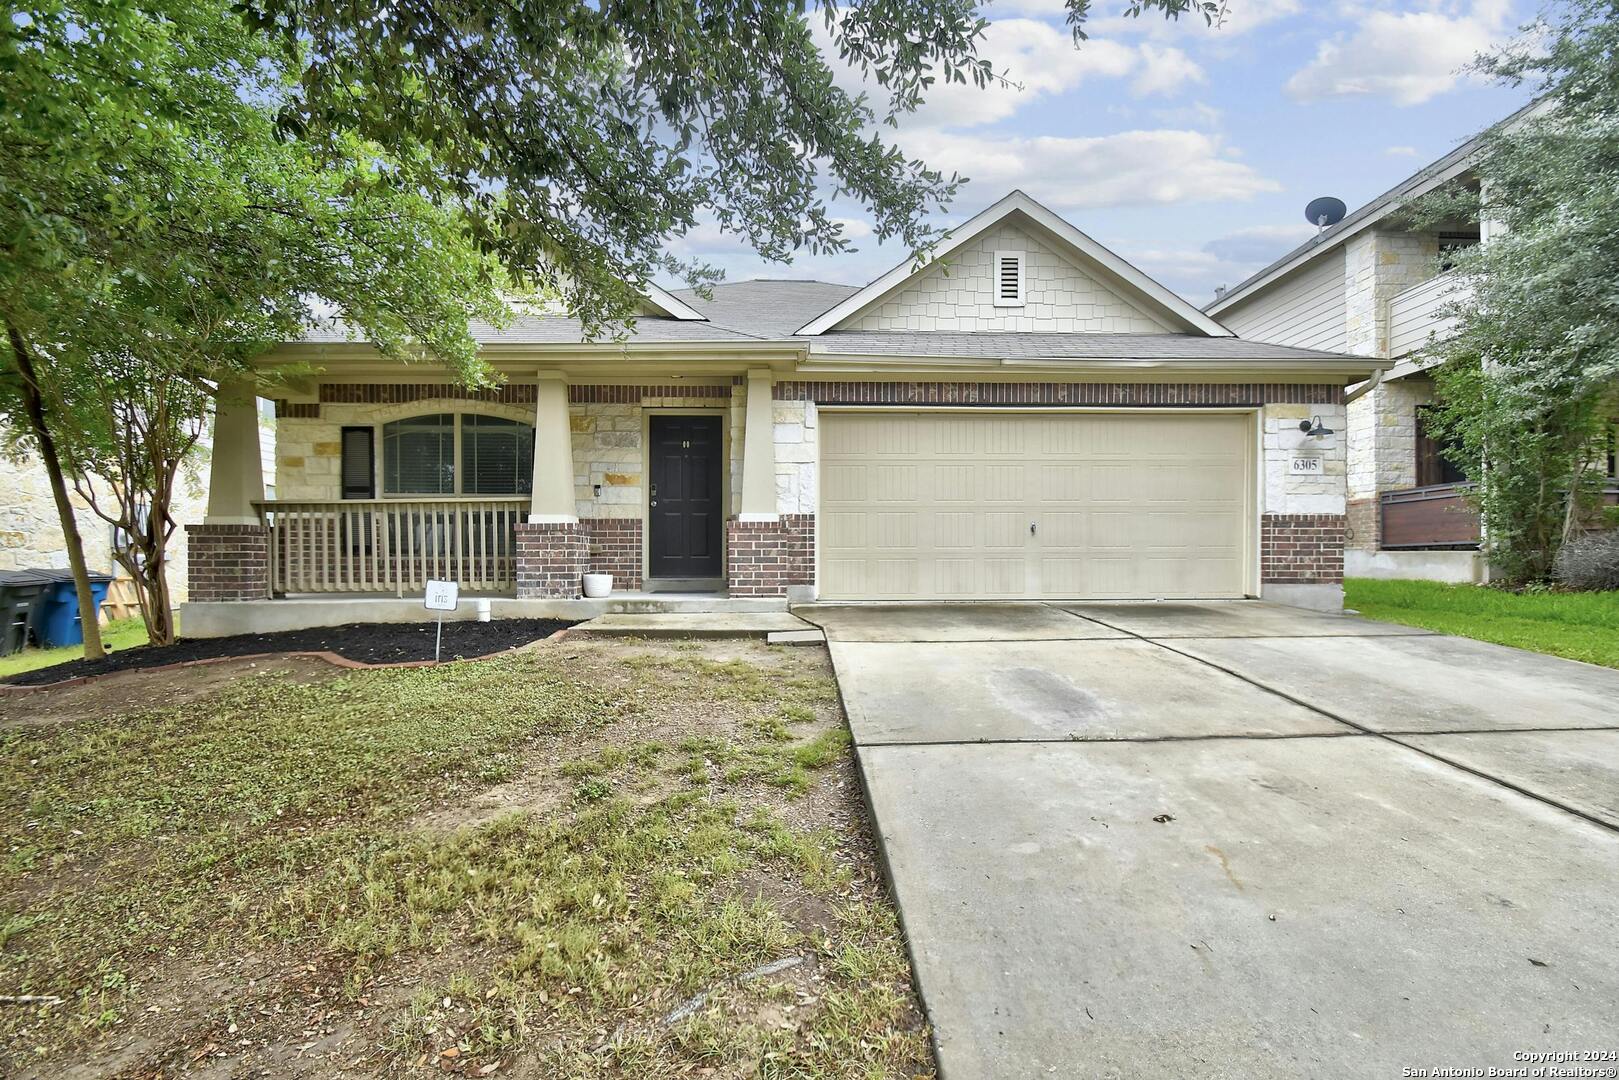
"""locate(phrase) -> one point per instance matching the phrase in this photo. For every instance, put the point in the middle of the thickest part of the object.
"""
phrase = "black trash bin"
(20, 593)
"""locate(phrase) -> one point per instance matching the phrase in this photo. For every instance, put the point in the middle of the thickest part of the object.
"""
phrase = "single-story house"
(1022, 416)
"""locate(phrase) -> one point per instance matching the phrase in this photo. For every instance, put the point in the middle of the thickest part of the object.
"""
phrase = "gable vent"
(1009, 279)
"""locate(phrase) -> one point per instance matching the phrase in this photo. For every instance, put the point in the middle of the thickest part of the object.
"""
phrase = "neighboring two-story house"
(1375, 285)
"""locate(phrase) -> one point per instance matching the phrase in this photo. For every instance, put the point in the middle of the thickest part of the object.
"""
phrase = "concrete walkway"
(1236, 840)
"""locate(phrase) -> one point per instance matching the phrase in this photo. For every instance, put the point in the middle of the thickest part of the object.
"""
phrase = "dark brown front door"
(687, 506)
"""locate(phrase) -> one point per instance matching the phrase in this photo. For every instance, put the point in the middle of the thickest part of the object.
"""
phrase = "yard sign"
(441, 597)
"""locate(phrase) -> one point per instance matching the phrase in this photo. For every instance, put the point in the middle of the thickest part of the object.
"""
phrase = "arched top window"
(457, 454)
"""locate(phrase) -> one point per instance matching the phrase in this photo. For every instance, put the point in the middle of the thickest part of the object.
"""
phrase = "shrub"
(1589, 562)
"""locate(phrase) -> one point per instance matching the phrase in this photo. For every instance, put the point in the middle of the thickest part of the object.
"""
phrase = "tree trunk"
(34, 405)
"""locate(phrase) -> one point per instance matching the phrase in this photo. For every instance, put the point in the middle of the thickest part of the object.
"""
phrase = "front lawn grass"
(1579, 626)
(524, 865)
(117, 634)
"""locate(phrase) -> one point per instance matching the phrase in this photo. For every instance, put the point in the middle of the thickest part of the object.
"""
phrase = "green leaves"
(1529, 380)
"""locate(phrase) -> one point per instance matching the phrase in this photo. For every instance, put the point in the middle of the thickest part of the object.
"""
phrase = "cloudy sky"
(1189, 150)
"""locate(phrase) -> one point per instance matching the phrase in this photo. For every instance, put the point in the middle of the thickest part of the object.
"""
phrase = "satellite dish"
(1325, 211)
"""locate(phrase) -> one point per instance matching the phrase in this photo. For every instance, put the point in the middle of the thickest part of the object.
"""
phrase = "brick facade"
(763, 558)
(615, 548)
(551, 560)
(1300, 549)
(228, 562)
(1051, 393)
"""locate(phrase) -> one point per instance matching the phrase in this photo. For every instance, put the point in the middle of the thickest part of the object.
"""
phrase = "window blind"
(497, 456)
(418, 455)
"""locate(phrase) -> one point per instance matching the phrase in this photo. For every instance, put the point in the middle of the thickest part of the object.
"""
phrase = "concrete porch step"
(219, 618)
(716, 624)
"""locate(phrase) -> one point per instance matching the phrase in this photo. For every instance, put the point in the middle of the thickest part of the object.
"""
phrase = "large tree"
(1528, 381)
(160, 232)
(585, 134)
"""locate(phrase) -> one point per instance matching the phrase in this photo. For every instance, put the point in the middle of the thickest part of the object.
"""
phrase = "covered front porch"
(674, 485)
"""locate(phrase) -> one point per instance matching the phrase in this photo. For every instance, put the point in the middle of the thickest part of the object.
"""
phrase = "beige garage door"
(963, 506)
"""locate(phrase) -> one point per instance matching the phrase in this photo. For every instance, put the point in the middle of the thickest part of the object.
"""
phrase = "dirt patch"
(369, 643)
(104, 699)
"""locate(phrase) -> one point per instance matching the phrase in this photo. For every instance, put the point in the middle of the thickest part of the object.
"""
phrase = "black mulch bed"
(370, 643)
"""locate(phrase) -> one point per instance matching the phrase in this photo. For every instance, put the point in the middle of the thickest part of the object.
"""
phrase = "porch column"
(229, 552)
(235, 470)
(759, 451)
(552, 501)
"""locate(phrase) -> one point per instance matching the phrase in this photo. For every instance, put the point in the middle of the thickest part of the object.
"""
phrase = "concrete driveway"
(1237, 840)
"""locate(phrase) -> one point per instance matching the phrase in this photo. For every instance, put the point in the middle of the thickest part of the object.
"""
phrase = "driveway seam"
(1329, 714)
(1357, 733)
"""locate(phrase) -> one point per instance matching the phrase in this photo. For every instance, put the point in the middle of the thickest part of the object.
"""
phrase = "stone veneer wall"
(766, 558)
(958, 294)
(607, 425)
(1379, 265)
(1382, 451)
(31, 532)
(229, 562)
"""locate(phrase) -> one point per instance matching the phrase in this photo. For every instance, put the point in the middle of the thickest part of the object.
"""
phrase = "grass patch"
(1579, 626)
(281, 829)
(117, 634)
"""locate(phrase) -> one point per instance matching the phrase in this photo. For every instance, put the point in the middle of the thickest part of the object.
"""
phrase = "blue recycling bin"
(57, 620)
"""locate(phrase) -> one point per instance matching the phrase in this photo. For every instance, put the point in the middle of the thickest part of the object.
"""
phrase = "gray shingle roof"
(773, 310)
(767, 309)
(1000, 346)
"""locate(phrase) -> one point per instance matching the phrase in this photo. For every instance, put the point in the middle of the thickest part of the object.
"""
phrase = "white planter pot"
(598, 585)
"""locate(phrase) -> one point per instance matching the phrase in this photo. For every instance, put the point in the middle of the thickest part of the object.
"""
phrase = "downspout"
(1365, 388)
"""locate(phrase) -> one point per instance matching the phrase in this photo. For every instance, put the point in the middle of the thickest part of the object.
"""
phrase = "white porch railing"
(392, 545)
(1414, 315)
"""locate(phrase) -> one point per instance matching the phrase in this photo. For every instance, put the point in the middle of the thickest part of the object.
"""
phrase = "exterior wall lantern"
(1313, 429)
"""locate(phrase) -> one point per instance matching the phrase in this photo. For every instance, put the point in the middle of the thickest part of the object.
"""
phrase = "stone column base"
(551, 560)
(227, 562)
(767, 558)
(1301, 558)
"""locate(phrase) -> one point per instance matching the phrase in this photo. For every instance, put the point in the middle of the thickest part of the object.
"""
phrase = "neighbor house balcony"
(1438, 516)
(1417, 316)
(392, 546)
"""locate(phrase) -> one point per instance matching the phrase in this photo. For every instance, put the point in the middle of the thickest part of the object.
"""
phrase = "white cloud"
(1407, 56)
(1400, 151)
(1165, 71)
(1037, 60)
(1132, 168)
(1034, 60)
(853, 228)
